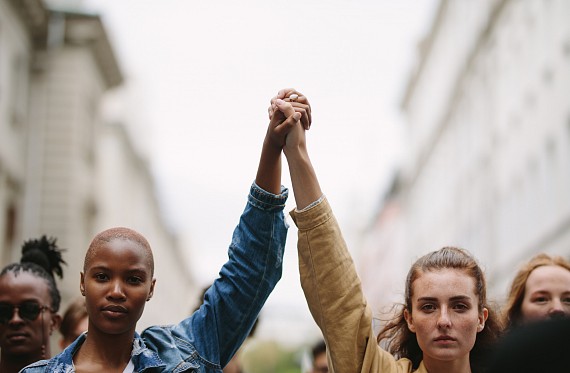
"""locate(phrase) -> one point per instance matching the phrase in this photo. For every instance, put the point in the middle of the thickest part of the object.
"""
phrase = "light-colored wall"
(125, 189)
(15, 55)
(69, 172)
(489, 135)
(63, 137)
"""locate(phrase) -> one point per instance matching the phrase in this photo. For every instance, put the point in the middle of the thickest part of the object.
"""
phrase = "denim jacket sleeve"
(231, 305)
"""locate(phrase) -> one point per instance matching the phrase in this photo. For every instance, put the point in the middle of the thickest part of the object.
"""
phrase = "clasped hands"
(290, 115)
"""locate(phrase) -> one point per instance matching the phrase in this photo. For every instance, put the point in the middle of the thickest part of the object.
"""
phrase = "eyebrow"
(453, 299)
(128, 270)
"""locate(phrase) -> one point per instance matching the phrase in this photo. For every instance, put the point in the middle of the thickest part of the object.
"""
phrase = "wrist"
(272, 146)
(296, 151)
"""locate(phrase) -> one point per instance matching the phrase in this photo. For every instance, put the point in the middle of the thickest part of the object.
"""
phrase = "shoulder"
(421, 368)
(38, 366)
(50, 366)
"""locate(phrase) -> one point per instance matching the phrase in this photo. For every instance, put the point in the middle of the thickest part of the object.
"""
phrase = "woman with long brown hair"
(445, 325)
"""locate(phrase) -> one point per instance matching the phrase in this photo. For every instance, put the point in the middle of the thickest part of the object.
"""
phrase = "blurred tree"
(270, 357)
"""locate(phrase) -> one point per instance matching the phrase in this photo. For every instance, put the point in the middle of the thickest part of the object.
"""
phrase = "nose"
(557, 309)
(116, 292)
(16, 319)
(443, 321)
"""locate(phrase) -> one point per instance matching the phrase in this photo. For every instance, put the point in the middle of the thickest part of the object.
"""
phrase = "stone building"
(488, 139)
(64, 171)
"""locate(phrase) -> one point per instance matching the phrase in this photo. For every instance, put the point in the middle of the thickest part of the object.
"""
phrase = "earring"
(43, 351)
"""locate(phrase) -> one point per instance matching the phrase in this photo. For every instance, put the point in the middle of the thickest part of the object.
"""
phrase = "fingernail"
(297, 116)
(279, 101)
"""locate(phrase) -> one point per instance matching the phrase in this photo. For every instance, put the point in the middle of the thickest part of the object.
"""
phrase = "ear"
(54, 323)
(151, 292)
(82, 284)
(483, 315)
(409, 320)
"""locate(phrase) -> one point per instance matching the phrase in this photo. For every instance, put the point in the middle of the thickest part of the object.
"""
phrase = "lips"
(114, 311)
(444, 338)
(16, 337)
(115, 308)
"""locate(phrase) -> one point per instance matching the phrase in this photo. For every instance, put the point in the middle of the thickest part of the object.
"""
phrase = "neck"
(105, 351)
(454, 366)
(14, 363)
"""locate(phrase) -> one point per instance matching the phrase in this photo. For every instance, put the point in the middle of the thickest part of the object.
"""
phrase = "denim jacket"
(206, 341)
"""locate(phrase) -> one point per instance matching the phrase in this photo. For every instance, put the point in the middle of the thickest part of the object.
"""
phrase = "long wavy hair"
(397, 339)
(512, 312)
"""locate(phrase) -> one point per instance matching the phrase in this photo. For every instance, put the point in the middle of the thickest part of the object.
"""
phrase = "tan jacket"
(334, 294)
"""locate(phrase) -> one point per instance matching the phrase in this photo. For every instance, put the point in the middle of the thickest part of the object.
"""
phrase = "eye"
(540, 299)
(135, 280)
(461, 307)
(101, 277)
(428, 307)
(566, 300)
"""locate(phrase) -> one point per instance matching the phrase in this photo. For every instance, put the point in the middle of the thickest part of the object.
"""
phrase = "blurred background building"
(64, 170)
(487, 163)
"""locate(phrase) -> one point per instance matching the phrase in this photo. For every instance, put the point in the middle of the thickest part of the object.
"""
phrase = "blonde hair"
(512, 312)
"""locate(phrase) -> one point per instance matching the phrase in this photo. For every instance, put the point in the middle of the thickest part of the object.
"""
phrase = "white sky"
(199, 76)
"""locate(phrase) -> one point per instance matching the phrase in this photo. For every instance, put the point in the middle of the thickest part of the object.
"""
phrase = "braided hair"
(42, 258)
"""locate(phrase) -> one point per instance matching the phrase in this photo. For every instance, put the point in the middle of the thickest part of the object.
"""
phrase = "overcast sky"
(199, 76)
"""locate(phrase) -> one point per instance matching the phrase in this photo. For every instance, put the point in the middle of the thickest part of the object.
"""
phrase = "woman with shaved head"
(117, 280)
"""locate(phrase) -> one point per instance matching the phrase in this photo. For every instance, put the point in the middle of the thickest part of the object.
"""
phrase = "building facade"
(488, 166)
(64, 170)
(18, 24)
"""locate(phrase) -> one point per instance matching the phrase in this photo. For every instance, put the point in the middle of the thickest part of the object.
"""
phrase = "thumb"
(285, 107)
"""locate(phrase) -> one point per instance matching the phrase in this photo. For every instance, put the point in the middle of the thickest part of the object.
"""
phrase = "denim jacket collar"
(141, 356)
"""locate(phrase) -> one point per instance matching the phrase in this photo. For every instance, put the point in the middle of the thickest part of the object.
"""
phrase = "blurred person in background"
(540, 290)
(73, 323)
(29, 302)
(319, 357)
(446, 324)
(536, 347)
(118, 279)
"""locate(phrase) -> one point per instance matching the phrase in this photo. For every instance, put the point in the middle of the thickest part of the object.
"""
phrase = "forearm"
(306, 186)
(332, 287)
(245, 281)
(269, 171)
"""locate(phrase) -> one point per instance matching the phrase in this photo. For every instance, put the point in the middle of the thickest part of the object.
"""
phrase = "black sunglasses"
(27, 311)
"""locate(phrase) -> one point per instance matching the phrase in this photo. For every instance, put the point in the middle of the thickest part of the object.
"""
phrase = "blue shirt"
(207, 340)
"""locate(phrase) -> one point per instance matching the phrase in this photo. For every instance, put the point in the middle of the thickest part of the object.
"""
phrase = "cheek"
(469, 329)
(530, 310)
(424, 325)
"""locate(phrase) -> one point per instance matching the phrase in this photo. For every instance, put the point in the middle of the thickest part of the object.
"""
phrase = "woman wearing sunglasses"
(29, 301)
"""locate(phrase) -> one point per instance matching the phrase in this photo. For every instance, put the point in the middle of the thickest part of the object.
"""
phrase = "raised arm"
(232, 304)
(269, 169)
(328, 275)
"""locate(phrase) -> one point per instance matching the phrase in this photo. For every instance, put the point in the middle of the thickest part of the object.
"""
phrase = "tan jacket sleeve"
(335, 298)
